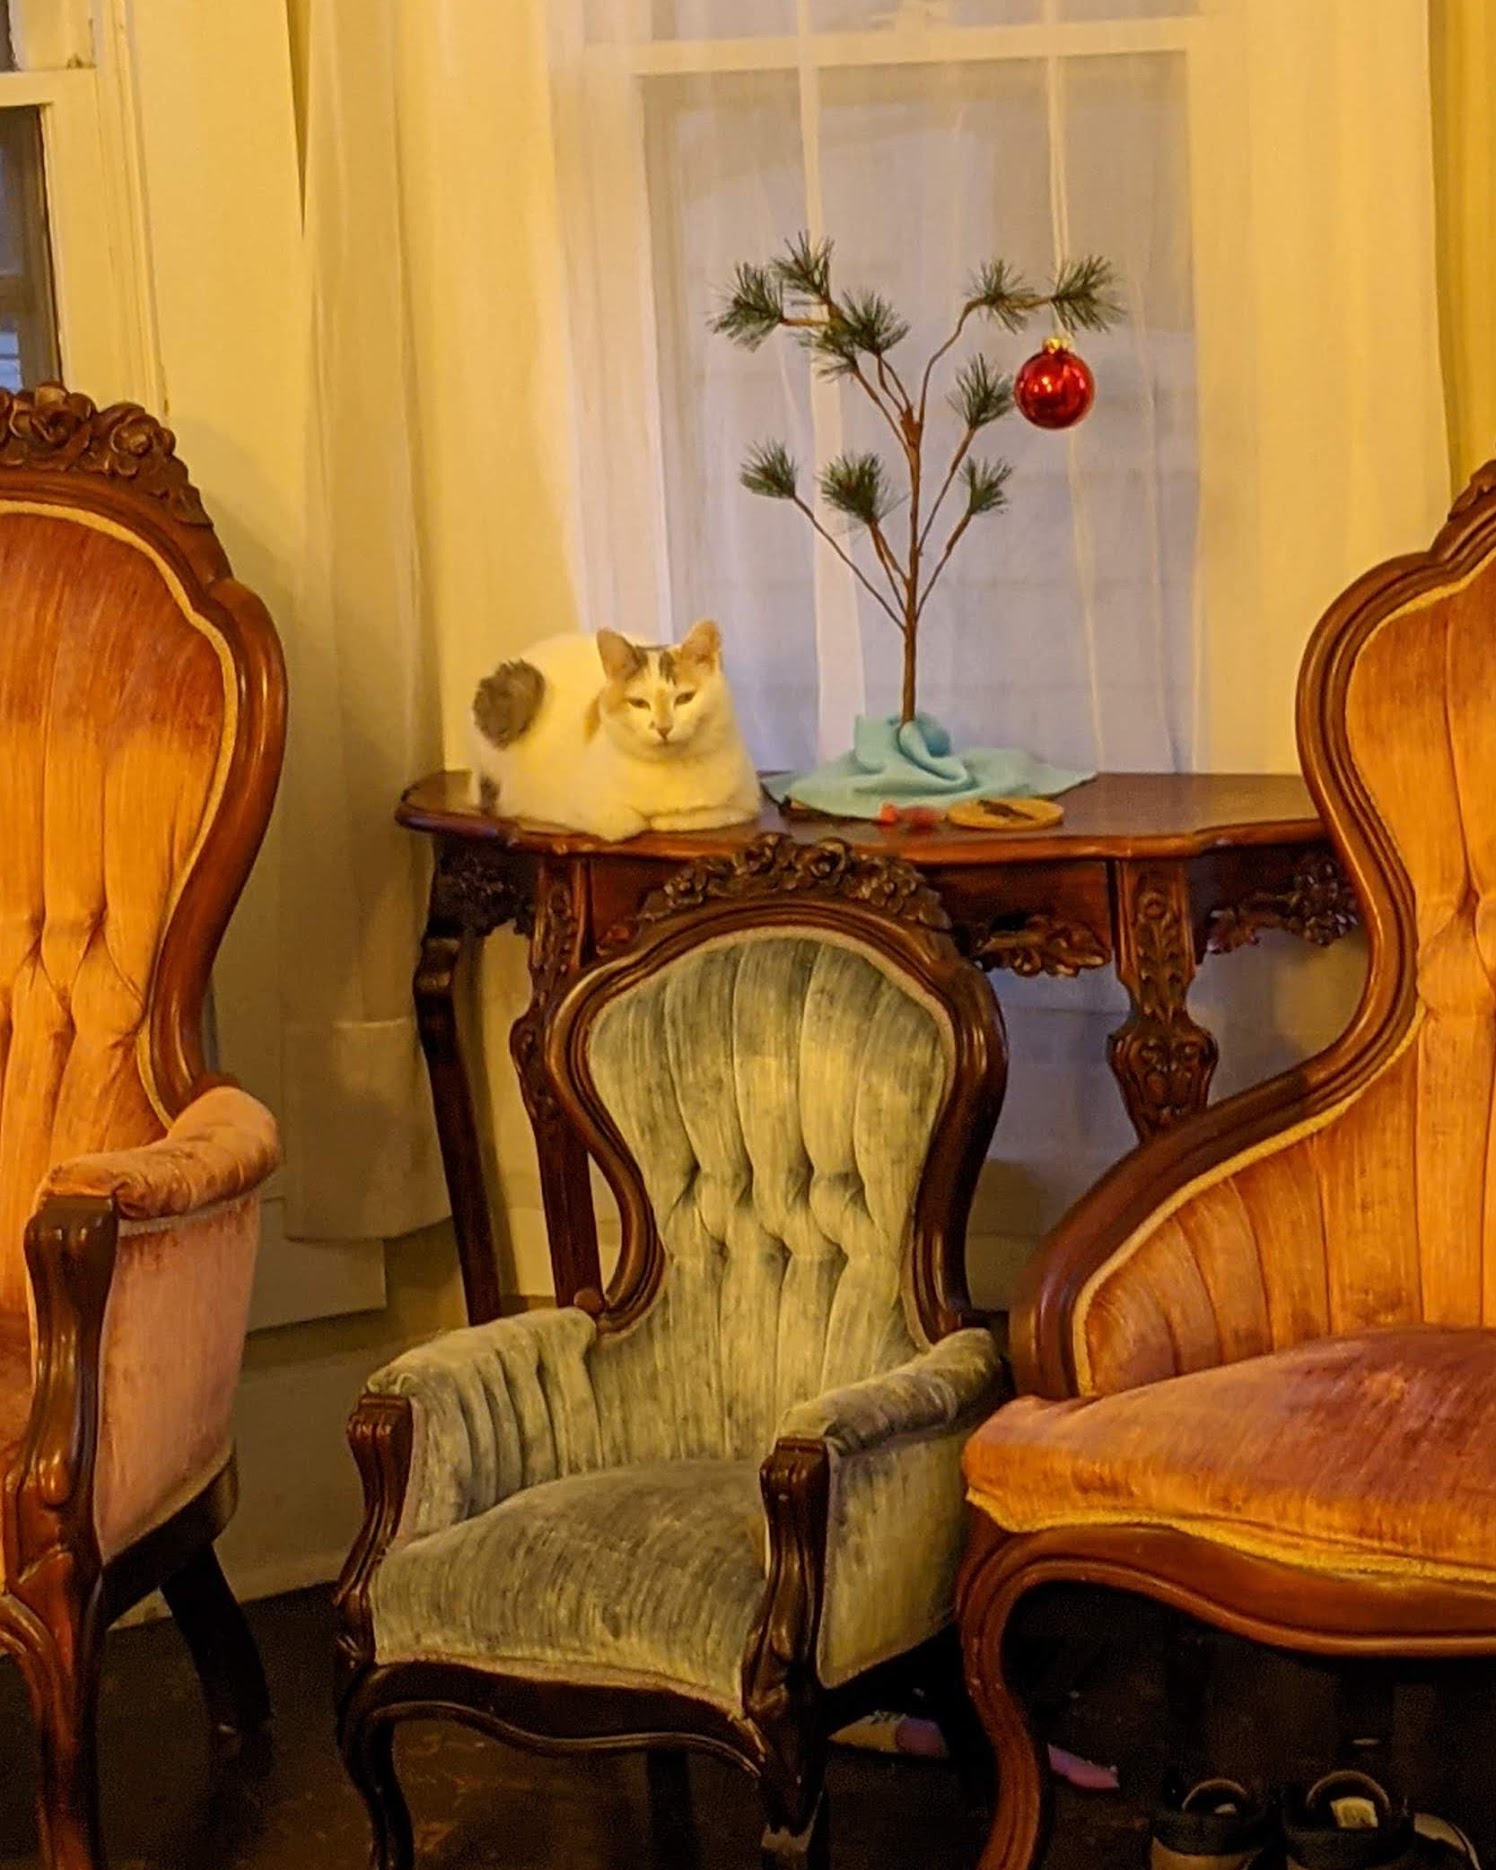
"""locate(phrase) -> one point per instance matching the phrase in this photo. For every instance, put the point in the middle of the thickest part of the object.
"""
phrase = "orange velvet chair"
(1261, 1354)
(142, 703)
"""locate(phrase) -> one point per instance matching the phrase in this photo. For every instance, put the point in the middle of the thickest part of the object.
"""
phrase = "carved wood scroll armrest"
(493, 1408)
(960, 1375)
(221, 1147)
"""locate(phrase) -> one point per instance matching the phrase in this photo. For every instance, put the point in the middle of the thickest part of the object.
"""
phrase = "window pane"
(28, 322)
(727, 184)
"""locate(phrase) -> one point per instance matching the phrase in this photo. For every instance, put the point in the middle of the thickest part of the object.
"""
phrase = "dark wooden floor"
(480, 1806)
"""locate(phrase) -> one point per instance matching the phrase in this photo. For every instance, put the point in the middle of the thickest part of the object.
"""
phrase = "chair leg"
(965, 1738)
(65, 1706)
(988, 1592)
(369, 1758)
(806, 1849)
(223, 1651)
(672, 1822)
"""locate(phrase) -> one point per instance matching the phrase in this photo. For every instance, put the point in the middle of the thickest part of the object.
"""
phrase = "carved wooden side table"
(1147, 874)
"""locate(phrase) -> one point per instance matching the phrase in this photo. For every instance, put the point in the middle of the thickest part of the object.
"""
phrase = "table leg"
(451, 1097)
(557, 946)
(1162, 1060)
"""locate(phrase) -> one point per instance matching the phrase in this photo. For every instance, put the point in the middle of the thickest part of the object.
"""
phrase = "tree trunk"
(906, 712)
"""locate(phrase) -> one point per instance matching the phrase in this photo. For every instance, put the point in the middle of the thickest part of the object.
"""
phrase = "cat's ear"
(621, 659)
(702, 649)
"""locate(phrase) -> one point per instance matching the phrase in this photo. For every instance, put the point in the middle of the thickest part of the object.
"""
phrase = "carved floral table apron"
(1147, 874)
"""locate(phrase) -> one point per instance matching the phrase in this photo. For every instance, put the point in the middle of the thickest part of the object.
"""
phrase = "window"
(73, 295)
(924, 137)
(28, 322)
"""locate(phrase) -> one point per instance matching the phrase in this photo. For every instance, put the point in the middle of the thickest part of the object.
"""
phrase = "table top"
(1115, 815)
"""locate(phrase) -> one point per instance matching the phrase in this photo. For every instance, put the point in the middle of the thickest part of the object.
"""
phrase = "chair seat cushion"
(650, 1574)
(1371, 1452)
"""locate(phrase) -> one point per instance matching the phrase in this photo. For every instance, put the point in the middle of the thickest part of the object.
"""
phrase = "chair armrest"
(223, 1145)
(935, 1390)
(141, 1263)
(864, 1503)
(493, 1408)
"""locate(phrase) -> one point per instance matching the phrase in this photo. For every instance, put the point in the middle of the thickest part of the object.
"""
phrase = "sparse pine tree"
(851, 335)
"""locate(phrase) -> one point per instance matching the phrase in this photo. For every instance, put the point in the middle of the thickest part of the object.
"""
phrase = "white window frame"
(96, 214)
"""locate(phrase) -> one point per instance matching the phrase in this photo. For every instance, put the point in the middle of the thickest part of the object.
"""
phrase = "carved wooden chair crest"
(1263, 1350)
(710, 1508)
(141, 726)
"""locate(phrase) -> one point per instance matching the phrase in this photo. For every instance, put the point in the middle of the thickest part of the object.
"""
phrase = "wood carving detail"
(53, 429)
(1041, 944)
(1318, 905)
(555, 952)
(380, 1435)
(775, 865)
(781, 1690)
(470, 890)
(1162, 1060)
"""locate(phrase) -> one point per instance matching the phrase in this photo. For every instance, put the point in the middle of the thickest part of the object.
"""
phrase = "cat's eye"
(634, 702)
(686, 695)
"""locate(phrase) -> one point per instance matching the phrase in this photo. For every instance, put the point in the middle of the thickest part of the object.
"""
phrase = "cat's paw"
(703, 818)
(614, 823)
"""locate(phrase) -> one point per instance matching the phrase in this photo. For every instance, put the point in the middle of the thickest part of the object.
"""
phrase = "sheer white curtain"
(923, 140)
(361, 1158)
(1268, 420)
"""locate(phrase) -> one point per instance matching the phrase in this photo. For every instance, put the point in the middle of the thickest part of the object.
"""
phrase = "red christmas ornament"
(1055, 388)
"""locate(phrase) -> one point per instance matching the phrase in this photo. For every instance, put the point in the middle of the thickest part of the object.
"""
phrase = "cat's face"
(657, 701)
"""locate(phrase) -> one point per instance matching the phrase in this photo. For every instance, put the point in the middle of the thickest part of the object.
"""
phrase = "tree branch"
(851, 564)
(950, 546)
(945, 486)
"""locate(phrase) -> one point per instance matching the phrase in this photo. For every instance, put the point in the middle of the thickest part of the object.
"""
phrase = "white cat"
(610, 737)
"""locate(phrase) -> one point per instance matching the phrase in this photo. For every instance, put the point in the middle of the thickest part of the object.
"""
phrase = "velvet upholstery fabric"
(221, 1147)
(501, 1411)
(649, 1573)
(587, 1504)
(117, 712)
(173, 1340)
(1383, 1212)
(778, 1094)
(1369, 1452)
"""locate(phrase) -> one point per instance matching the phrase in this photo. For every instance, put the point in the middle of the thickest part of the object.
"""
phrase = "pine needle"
(986, 485)
(857, 485)
(980, 395)
(1083, 294)
(769, 470)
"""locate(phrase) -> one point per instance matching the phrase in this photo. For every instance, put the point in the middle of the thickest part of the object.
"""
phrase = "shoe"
(1216, 1824)
(1346, 1821)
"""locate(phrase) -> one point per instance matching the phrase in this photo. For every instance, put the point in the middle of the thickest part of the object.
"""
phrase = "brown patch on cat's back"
(507, 702)
(592, 719)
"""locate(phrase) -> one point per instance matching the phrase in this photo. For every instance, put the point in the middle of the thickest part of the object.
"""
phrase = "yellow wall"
(1464, 87)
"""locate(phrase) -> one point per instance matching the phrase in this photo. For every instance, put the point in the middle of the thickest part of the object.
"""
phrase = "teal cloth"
(911, 763)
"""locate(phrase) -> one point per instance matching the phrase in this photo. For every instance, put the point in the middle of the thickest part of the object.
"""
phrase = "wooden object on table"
(144, 722)
(1146, 874)
(1280, 1313)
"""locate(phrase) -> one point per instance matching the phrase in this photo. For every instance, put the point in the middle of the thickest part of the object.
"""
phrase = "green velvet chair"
(717, 1508)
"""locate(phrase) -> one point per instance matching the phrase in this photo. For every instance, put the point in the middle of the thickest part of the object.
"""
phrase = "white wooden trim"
(935, 46)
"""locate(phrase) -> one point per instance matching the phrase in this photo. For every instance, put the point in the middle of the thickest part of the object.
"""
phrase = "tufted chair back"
(127, 697)
(774, 1101)
(1377, 1206)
